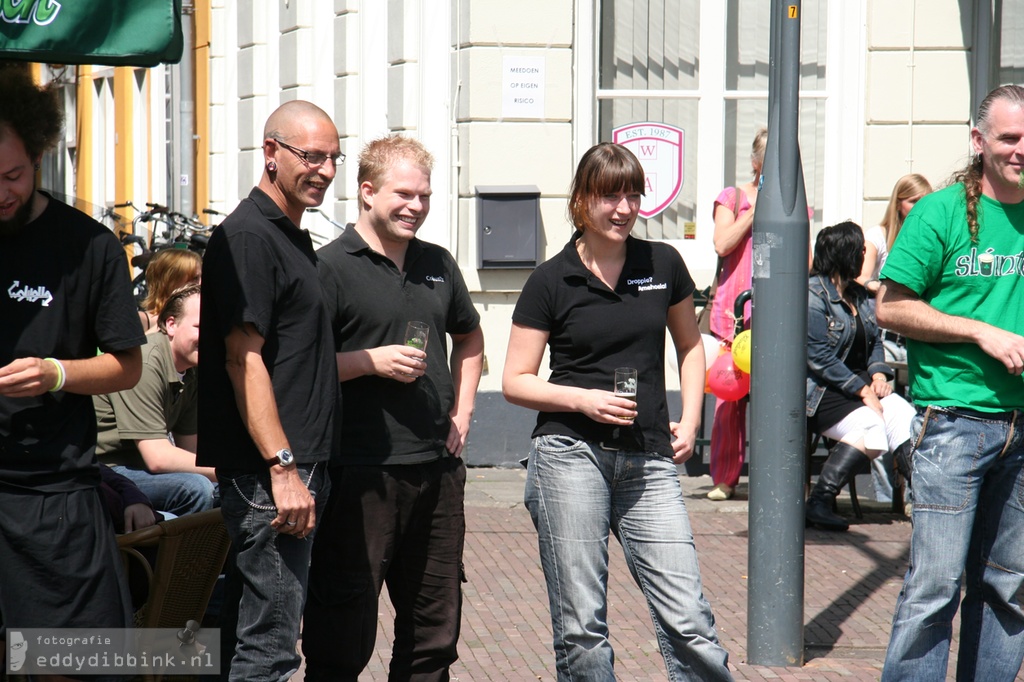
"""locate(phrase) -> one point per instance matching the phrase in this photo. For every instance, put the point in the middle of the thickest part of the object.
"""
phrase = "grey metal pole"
(773, 57)
(186, 119)
(775, 600)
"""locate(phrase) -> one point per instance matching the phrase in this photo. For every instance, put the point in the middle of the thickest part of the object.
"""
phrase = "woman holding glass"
(603, 463)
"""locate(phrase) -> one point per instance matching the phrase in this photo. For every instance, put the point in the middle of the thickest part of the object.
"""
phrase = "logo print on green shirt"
(989, 264)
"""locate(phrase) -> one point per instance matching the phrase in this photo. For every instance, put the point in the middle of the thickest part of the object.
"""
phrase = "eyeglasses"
(313, 158)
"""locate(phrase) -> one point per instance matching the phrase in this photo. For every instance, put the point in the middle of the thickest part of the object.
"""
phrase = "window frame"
(843, 95)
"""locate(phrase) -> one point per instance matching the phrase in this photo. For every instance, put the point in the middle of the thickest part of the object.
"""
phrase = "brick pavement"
(851, 583)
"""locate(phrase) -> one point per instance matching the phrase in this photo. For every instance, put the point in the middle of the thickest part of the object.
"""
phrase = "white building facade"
(513, 93)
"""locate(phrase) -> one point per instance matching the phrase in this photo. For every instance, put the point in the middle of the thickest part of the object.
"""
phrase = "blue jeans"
(266, 588)
(968, 520)
(178, 494)
(576, 492)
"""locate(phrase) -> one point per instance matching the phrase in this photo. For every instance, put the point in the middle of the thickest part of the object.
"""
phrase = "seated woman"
(880, 238)
(877, 242)
(169, 270)
(849, 398)
(128, 507)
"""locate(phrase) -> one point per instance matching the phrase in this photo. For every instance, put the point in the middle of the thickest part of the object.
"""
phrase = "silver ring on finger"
(289, 523)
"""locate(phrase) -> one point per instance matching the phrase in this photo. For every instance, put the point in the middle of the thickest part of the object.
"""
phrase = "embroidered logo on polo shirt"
(646, 284)
(30, 294)
(434, 278)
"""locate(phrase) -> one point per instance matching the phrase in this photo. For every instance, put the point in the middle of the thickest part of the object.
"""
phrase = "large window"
(650, 48)
(746, 90)
(702, 66)
(1010, 18)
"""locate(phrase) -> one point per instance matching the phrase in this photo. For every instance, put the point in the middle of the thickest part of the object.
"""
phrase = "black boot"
(903, 460)
(843, 461)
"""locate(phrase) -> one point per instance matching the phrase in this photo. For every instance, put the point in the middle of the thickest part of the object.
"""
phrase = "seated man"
(133, 425)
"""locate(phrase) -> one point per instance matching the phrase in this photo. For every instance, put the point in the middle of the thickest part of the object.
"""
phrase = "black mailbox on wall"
(508, 220)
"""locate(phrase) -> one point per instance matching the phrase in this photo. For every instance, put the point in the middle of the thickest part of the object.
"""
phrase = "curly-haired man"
(64, 293)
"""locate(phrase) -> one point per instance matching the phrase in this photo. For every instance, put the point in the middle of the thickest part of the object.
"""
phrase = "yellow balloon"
(741, 351)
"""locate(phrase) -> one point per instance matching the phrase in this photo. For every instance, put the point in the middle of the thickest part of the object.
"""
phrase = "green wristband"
(61, 374)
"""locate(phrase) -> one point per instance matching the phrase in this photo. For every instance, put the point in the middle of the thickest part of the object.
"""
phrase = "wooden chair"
(190, 555)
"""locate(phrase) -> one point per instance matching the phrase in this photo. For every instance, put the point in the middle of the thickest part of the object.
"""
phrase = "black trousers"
(59, 562)
(403, 526)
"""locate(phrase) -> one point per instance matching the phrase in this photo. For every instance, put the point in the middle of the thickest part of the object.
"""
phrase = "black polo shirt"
(260, 268)
(593, 330)
(370, 301)
(64, 292)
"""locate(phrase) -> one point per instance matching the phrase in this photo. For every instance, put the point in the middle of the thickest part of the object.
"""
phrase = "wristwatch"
(284, 457)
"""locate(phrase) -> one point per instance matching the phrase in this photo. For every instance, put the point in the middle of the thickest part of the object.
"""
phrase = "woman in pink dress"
(733, 226)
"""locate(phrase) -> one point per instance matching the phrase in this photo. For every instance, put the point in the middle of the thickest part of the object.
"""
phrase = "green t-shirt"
(161, 403)
(934, 257)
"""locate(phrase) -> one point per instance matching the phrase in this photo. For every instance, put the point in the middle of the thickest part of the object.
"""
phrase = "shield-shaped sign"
(659, 148)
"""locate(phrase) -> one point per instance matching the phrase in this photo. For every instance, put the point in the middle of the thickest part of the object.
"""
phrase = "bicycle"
(105, 215)
(214, 212)
(178, 232)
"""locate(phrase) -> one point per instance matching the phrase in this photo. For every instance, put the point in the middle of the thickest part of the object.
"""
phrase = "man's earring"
(272, 166)
(37, 166)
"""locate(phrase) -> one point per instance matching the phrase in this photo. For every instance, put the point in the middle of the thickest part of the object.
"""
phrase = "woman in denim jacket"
(849, 398)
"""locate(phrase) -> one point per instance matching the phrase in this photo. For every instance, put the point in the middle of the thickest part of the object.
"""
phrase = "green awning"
(108, 32)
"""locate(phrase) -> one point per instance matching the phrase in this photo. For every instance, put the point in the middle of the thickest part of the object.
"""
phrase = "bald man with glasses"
(268, 398)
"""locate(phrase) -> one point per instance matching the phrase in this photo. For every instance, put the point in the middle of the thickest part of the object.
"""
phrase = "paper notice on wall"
(522, 87)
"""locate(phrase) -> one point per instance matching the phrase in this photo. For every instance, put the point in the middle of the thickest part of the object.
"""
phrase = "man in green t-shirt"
(133, 426)
(954, 286)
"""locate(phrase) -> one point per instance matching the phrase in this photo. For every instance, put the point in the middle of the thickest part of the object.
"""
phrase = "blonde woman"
(879, 239)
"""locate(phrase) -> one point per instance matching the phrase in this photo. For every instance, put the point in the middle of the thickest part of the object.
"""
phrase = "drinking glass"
(416, 335)
(625, 383)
